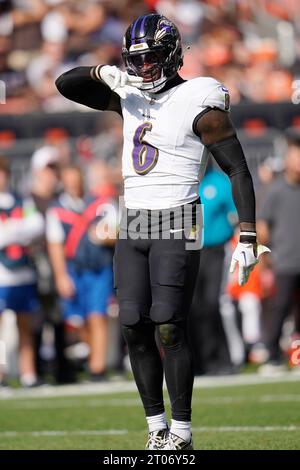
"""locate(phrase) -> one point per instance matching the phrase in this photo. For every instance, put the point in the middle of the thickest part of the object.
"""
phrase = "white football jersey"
(163, 159)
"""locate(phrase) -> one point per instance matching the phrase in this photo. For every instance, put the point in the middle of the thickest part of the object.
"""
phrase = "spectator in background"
(279, 225)
(18, 96)
(81, 18)
(186, 14)
(268, 170)
(20, 19)
(20, 225)
(206, 328)
(246, 301)
(109, 144)
(63, 221)
(105, 44)
(82, 263)
(45, 181)
(127, 9)
(49, 63)
(93, 261)
(251, 47)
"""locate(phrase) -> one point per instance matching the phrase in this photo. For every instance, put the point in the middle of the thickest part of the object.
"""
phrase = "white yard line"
(73, 402)
(112, 387)
(118, 432)
(108, 432)
(291, 428)
(131, 402)
(245, 379)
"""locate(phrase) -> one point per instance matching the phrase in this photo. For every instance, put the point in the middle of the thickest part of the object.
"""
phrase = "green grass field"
(264, 416)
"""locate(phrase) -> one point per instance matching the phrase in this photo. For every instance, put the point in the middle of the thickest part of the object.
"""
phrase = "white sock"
(28, 379)
(157, 422)
(181, 429)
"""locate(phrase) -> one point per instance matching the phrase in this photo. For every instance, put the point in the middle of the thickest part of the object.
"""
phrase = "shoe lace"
(155, 441)
(171, 444)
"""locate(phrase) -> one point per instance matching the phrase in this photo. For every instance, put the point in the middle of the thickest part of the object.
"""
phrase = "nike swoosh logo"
(244, 257)
(173, 230)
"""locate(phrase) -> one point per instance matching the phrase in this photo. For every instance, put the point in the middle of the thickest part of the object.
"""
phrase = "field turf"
(261, 416)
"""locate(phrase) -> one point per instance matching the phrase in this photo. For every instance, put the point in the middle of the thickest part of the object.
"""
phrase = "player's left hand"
(246, 255)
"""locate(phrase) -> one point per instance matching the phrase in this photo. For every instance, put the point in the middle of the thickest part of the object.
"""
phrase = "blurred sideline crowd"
(56, 255)
(56, 249)
(253, 46)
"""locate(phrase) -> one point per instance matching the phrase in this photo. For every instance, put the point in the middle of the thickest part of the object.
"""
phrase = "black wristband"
(247, 236)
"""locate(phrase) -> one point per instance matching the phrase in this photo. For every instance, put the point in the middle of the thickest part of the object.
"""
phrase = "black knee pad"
(138, 336)
(170, 334)
(130, 334)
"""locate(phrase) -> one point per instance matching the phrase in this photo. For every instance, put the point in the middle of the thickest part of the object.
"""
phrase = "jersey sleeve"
(25, 230)
(207, 93)
(78, 85)
(217, 97)
(54, 230)
(33, 224)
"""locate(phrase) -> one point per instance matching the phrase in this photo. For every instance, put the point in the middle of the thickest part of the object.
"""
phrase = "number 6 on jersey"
(144, 155)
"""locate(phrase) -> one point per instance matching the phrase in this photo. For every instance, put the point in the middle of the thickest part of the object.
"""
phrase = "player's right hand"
(246, 255)
(65, 286)
(116, 79)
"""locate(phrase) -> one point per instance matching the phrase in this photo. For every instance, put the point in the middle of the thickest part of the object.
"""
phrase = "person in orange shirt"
(248, 299)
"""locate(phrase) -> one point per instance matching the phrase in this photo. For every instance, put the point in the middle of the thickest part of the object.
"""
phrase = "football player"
(170, 126)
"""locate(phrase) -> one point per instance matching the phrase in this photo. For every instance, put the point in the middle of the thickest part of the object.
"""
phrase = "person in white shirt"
(20, 225)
